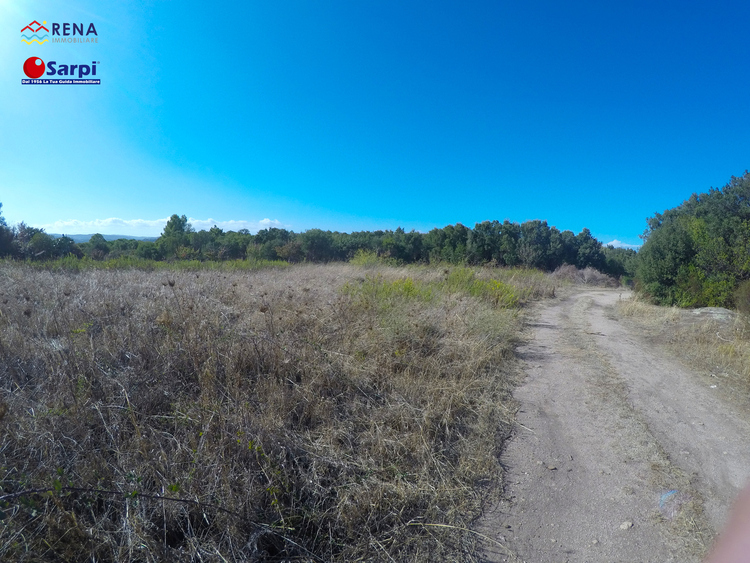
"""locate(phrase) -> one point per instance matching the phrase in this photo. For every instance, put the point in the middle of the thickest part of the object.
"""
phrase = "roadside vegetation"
(716, 341)
(696, 254)
(299, 413)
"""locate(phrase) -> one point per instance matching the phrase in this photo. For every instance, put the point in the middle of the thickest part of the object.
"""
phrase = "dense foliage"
(532, 244)
(697, 254)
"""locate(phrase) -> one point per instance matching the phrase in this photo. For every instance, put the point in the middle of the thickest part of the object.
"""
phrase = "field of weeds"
(715, 340)
(310, 413)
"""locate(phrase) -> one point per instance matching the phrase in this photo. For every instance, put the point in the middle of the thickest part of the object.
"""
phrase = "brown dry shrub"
(585, 276)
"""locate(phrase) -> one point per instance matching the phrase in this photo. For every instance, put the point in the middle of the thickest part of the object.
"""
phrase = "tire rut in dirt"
(585, 476)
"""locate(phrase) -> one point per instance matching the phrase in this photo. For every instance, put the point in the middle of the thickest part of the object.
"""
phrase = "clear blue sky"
(350, 115)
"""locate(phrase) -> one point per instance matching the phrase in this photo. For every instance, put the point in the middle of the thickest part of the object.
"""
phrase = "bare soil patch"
(622, 452)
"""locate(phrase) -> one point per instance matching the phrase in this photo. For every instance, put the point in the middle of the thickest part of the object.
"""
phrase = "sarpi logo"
(35, 68)
(32, 33)
(61, 33)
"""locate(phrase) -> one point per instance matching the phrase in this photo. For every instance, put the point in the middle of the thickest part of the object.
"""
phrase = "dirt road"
(622, 452)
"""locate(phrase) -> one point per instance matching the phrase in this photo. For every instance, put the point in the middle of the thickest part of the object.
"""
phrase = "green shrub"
(365, 258)
(495, 291)
(370, 259)
(376, 290)
(464, 280)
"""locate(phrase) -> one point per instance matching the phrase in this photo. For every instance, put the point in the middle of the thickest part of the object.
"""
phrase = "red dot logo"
(33, 67)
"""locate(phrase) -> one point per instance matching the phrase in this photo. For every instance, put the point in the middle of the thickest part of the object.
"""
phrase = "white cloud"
(150, 227)
(619, 244)
(233, 225)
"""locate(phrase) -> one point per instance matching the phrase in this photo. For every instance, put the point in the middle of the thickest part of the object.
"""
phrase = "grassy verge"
(715, 341)
(306, 413)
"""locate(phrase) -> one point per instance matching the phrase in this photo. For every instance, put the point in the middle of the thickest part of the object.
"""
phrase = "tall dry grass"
(714, 340)
(311, 413)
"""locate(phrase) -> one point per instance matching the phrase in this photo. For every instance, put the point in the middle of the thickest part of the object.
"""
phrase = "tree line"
(532, 244)
(695, 254)
(698, 253)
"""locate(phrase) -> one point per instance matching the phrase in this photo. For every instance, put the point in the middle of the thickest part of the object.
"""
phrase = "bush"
(585, 276)
(497, 292)
(370, 258)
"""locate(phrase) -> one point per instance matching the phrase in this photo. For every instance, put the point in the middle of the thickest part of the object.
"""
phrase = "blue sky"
(374, 114)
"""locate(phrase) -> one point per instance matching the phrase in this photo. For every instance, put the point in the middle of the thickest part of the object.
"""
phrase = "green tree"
(620, 261)
(177, 226)
(41, 246)
(665, 259)
(147, 250)
(510, 235)
(317, 245)
(697, 253)
(233, 245)
(98, 242)
(534, 245)
(590, 251)
(23, 236)
(483, 243)
(291, 252)
(265, 243)
(7, 237)
(66, 246)
(175, 234)
(97, 247)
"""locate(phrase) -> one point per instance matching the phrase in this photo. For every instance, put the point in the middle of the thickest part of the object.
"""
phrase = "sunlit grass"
(308, 412)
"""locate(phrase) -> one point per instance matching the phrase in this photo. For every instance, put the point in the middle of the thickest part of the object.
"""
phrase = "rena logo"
(61, 33)
(34, 68)
(77, 29)
(34, 29)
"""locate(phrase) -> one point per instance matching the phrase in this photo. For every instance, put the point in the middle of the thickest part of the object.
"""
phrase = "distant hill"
(86, 238)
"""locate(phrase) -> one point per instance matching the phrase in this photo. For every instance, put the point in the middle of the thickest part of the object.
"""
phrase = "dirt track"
(622, 452)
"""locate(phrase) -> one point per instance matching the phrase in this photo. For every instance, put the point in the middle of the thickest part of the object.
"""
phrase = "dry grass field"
(309, 413)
